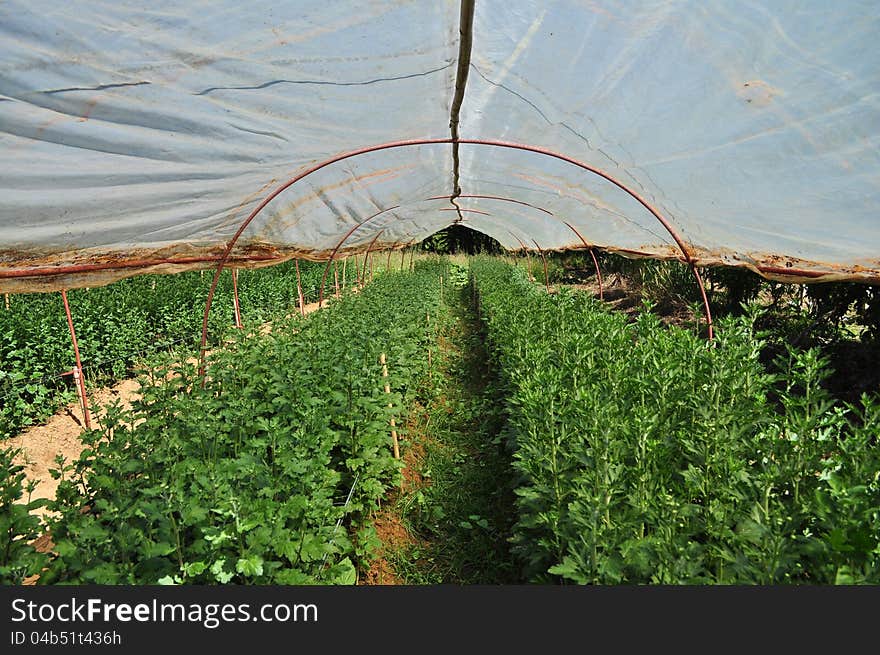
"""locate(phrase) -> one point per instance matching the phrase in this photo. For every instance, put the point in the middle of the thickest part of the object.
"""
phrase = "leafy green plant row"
(116, 324)
(647, 455)
(264, 474)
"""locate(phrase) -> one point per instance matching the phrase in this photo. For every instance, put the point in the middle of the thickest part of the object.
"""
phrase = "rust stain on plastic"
(757, 93)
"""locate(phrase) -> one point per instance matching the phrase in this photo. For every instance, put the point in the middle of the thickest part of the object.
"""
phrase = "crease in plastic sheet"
(138, 139)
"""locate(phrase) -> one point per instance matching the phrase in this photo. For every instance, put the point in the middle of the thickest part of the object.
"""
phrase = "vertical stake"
(402, 258)
(412, 252)
(235, 304)
(371, 267)
(299, 290)
(336, 276)
(77, 372)
(388, 391)
(598, 274)
(430, 366)
(388, 263)
(6, 296)
(344, 261)
(546, 274)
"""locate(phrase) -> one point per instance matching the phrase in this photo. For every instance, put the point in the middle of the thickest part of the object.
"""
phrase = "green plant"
(18, 525)
(261, 474)
(117, 325)
(646, 455)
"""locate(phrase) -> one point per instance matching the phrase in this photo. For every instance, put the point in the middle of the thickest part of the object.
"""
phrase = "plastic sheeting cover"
(136, 139)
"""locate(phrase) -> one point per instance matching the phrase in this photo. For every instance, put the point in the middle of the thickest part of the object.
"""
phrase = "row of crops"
(646, 455)
(120, 323)
(642, 454)
(262, 475)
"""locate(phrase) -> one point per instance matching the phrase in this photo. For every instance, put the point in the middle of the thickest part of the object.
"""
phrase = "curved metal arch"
(367, 255)
(593, 255)
(421, 142)
(339, 245)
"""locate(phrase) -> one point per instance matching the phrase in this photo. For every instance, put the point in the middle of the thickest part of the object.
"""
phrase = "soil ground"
(450, 521)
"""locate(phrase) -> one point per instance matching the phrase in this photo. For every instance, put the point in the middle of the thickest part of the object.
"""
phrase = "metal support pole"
(711, 333)
(544, 259)
(77, 372)
(368, 257)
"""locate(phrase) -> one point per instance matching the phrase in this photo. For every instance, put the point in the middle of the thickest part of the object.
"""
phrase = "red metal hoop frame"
(688, 257)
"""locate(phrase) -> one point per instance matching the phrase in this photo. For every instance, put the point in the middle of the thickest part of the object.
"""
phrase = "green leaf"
(250, 566)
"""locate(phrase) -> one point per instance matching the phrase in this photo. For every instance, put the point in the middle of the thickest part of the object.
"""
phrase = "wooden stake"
(336, 276)
(371, 267)
(6, 296)
(343, 273)
(388, 391)
(546, 274)
(357, 272)
(388, 263)
(428, 321)
(299, 290)
(412, 252)
(402, 258)
(235, 306)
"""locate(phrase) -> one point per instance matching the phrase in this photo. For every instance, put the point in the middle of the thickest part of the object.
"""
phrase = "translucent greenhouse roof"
(138, 139)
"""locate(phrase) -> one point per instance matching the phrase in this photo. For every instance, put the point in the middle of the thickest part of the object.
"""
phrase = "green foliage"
(117, 324)
(646, 455)
(462, 514)
(18, 526)
(842, 303)
(257, 476)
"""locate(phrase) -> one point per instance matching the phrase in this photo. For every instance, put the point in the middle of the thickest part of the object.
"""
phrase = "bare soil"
(622, 296)
(60, 435)
(390, 528)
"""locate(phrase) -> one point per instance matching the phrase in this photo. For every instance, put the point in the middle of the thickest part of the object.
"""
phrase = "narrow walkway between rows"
(451, 520)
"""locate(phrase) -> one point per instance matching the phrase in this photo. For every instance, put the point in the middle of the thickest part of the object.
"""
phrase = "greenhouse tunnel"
(635, 340)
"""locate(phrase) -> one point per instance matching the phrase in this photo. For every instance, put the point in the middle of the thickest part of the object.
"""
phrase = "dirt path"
(60, 435)
(449, 524)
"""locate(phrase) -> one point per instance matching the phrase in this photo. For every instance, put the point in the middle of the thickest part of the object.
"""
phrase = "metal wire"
(339, 522)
